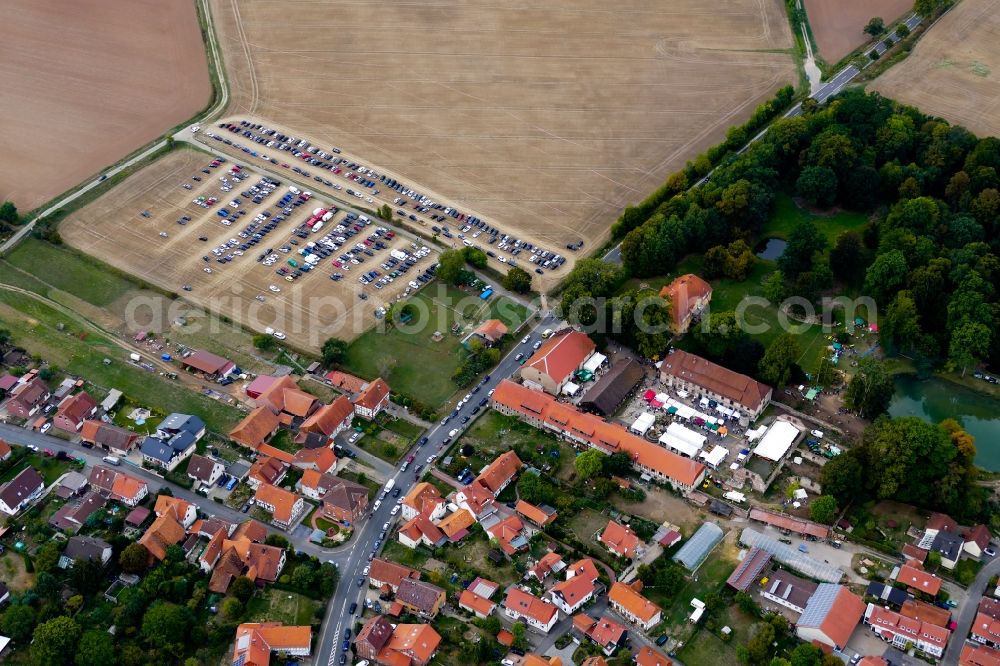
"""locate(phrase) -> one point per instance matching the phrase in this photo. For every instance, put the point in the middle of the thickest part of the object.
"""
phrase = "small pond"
(771, 249)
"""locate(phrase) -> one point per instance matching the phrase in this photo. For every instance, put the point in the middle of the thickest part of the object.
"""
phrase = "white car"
(491, 392)
(394, 511)
(431, 459)
(195, 129)
(385, 527)
(525, 339)
(354, 437)
(365, 572)
(269, 331)
(33, 448)
(279, 335)
(45, 428)
(818, 434)
(274, 288)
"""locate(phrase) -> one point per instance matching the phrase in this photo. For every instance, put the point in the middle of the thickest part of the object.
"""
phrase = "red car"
(285, 166)
(409, 460)
(48, 452)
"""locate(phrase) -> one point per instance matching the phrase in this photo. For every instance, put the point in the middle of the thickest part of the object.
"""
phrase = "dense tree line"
(929, 258)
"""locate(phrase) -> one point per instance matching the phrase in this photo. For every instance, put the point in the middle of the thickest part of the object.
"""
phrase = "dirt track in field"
(838, 26)
(308, 310)
(87, 82)
(542, 118)
(954, 71)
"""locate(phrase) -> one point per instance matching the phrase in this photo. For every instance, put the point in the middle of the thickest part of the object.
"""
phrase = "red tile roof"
(492, 329)
(886, 619)
(255, 427)
(255, 642)
(562, 354)
(979, 655)
(284, 395)
(282, 500)
(609, 437)
(206, 362)
(636, 604)
(373, 394)
(500, 471)
(574, 590)
(925, 612)
(322, 459)
(741, 389)
(165, 531)
(346, 381)
(980, 534)
(529, 605)
(76, 407)
(791, 523)
(620, 539)
(385, 571)
(842, 616)
(327, 418)
(475, 603)
(919, 579)
(912, 552)
(533, 513)
(684, 293)
(941, 522)
(647, 656)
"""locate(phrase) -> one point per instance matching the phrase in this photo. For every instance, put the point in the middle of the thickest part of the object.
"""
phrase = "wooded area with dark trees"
(928, 257)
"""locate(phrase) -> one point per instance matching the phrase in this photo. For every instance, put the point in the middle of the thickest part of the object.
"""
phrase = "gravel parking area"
(173, 222)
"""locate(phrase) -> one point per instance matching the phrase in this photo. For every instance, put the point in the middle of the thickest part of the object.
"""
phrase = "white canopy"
(755, 433)
(595, 361)
(569, 388)
(776, 442)
(801, 494)
(682, 440)
(643, 423)
(714, 457)
(686, 434)
(662, 398)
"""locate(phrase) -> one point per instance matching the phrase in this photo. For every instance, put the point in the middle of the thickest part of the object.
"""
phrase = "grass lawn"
(33, 326)
(788, 215)
(13, 572)
(50, 468)
(586, 524)
(283, 440)
(397, 552)
(470, 556)
(709, 577)
(407, 356)
(707, 648)
(493, 433)
(273, 605)
(364, 480)
(78, 275)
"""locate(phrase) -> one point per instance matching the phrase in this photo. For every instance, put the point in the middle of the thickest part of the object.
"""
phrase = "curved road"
(967, 614)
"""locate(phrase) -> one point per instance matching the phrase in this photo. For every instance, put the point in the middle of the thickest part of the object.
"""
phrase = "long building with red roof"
(544, 412)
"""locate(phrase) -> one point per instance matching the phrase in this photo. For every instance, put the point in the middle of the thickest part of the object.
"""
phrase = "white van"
(111, 460)
(453, 433)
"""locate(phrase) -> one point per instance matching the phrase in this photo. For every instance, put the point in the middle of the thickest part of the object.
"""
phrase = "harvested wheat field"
(162, 252)
(545, 119)
(838, 26)
(85, 83)
(954, 71)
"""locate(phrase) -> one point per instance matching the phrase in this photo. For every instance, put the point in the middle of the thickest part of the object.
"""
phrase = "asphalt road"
(967, 613)
(353, 558)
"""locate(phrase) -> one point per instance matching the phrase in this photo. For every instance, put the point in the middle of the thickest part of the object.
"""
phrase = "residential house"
(185, 512)
(554, 364)
(688, 295)
(420, 598)
(346, 501)
(605, 632)
(476, 499)
(242, 555)
(571, 594)
(972, 654)
(914, 554)
(71, 484)
(165, 531)
(322, 460)
(830, 616)
(283, 505)
(314, 485)
(549, 563)
(207, 363)
(118, 486)
(499, 473)
(949, 545)
(788, 590)
(596, 660)
(383, 644)
(647, 656)
(634, 607)
(536, 613)
(456, 525)
(385, 574)
(508, 533)
(372, 399)
(985, 630)
(205, 471)
(176, 424)
(73, 411)
(682, 371)
(925, 612)
(255, 642)
(902, 631)
(566, 422)
(539, 516)
(585, 568)
(109, 437)
(977, 539)
(266, 470)
(918, 580)
(5, 450)
(85, 548)
(73, 515)
(27, 397)
(421, 530)
(887, 595)
(209, 527)
(345, 381)
(621, 540)
(481, 607)
(424, 499)
(21, 491)
(288, 402)
(491, 331)
(174, 441)
(256, 428)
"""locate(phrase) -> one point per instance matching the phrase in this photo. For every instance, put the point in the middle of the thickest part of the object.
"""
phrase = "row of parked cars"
(542, 259)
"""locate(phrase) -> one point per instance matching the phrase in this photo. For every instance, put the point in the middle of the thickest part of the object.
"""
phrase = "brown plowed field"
(954, 72)
(838, 26)
(542, 118)
(308, 310)
(87, 82)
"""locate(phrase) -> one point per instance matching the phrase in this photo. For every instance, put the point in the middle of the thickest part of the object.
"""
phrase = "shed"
(697, 548)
